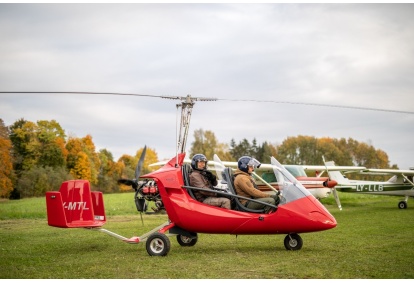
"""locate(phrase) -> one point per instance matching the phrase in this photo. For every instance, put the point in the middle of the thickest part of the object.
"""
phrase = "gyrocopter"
(76, 206)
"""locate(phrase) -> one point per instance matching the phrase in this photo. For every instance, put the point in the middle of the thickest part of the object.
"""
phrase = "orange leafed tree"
(82, 169)
(6, 168)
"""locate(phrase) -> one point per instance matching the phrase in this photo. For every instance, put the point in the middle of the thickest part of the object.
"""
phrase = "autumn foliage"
(38, 157)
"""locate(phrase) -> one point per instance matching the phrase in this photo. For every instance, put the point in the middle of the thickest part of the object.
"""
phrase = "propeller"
(134, 182)
(139, 201)
(334, 192)
(140, 163)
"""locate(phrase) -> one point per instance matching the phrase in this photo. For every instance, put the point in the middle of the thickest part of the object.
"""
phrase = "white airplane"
(400, 184)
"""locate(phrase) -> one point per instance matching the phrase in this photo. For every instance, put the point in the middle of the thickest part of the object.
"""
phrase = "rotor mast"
(186, 105)
(186, 109)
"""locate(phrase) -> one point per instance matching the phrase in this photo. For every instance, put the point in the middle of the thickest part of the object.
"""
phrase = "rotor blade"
(187, 99)
(140, 163)
(322, 105)
(191, 99)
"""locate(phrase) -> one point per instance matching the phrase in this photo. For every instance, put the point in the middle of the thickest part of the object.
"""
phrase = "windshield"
(296, 171)
(291, 188)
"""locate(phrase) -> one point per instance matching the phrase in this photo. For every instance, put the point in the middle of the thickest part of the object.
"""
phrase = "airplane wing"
(332, 168)
(266, 167)
(389, 171)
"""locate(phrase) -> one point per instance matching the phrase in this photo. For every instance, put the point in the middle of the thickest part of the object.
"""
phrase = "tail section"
(75, 206)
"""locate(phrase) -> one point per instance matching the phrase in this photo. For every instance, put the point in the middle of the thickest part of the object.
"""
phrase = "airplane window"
(269, 177)
(296, 171)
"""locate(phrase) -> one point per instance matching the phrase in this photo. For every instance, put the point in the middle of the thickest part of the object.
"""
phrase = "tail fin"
(336, 175)
(75, 206)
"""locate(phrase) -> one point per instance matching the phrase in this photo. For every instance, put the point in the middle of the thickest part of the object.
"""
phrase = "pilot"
(245, 185)
(200, 177)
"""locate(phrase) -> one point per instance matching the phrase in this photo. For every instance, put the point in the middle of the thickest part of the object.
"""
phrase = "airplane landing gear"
(186, 241)
(158, 244)
(293, 242)
(402, 204)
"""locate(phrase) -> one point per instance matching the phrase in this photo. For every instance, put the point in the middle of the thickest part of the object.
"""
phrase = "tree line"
(299, 150)
(38, 157)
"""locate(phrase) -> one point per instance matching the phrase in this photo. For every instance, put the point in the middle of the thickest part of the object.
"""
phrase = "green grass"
(373, 240)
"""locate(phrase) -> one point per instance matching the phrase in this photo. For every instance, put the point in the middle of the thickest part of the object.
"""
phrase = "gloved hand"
(276, 198)
(210, 176)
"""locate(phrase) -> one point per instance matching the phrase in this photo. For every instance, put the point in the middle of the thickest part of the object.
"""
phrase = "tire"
(158, 244)
(186, 241)
(293, 242)
(402, 204)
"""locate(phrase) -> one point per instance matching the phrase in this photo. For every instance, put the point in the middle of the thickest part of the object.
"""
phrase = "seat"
(75, 206)
(186, 177)
(229, 177)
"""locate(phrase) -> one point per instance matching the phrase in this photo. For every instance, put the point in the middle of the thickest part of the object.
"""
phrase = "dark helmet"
(196, 159)
(246, 161)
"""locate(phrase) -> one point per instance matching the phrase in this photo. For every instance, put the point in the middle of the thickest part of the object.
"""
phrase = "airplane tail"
(75, 206)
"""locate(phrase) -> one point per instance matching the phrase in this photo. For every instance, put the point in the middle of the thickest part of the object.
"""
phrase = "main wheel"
(293, 242)
(402, 204)
(158, 244)
(186, 241)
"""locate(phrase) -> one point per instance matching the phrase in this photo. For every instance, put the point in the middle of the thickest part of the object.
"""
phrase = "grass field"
(373, 240)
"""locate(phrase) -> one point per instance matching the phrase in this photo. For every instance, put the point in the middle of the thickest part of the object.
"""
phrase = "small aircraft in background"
(319, 187)
(400, 184)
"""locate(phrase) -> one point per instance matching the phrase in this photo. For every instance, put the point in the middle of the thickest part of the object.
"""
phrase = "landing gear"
(293, 242)
(402, 204)
(187, 241)
(158, 244)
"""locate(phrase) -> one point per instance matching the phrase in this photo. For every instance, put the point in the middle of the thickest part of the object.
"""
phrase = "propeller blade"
(334, 192)
(140, 163)
(132, 183)
(126, 182)
(338, 202)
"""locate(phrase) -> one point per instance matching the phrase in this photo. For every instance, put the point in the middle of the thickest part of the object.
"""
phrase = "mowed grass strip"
(373, 240)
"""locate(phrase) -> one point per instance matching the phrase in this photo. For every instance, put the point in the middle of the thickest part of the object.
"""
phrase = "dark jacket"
(199, 179)
(246, 187)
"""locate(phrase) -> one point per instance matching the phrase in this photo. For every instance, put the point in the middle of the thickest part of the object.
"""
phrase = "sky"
(267, 64)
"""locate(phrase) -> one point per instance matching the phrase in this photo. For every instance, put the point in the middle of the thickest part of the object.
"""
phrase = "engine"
(148, 191)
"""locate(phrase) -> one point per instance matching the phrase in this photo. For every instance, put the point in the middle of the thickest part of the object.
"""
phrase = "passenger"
(245, 186)
(200, 177)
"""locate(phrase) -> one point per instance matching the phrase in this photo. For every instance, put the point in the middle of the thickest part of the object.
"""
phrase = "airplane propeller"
(333, 189)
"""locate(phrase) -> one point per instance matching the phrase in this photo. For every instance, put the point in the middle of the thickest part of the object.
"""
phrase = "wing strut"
(334, 191)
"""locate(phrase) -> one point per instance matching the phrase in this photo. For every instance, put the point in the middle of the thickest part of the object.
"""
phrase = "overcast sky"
(351, 55)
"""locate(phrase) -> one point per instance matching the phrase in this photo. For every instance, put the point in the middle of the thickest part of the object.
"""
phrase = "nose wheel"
(293, 242)
(158, 244)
